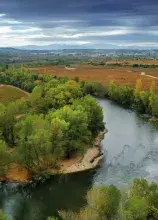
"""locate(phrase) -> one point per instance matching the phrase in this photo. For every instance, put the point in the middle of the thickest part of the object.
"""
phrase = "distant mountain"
(23, 50)
(67, 47)
(51, 47)
(75, 47)
(8, 49)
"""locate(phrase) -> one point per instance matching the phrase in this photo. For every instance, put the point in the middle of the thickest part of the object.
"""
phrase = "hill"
(10, 93)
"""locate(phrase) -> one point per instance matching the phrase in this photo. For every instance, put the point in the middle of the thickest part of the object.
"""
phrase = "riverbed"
(131, 150)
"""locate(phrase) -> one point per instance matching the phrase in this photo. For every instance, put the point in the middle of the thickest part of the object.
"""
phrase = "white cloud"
(2, 15)
(28, 30)
(12, 42)
(10, 21)
(4, 19)
(5, 29)
(71, 42)
(139, 44)
(95, 34)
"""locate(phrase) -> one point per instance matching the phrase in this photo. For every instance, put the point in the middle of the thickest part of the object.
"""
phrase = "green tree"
(154, 105)
(142, 189)
(104, 200)
(94, 112)
(138, 208)
(68, 215)
(112, 90)
(52, 218)
(2, 215)
(153, 100)
(125, 215)
(95, 88)
(33, 140)
(59, 129)
(102, 203)
(76, 124)
(36, 94)
(5, 158)
(37, 102)
(8, 118)
(63, 94)
(137, 90)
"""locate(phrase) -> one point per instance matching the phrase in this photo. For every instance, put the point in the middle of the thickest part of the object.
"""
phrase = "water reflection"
(67, 192)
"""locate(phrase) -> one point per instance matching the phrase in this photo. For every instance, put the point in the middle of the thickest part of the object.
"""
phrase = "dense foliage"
(56, 121)
(138, 202)
(143, 101)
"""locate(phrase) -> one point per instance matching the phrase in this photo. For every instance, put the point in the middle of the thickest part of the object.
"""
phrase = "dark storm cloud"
(35, 9)
(53, 20)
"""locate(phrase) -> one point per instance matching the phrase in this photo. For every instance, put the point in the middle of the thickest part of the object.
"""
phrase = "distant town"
(13, 55)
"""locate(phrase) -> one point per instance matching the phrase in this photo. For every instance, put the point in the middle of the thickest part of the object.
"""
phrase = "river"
(131, 150)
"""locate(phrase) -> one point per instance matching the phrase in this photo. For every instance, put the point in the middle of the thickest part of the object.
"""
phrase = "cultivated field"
(121, 75)
(10, 93)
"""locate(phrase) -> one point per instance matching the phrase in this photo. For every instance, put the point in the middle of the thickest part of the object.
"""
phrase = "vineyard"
(104, 75)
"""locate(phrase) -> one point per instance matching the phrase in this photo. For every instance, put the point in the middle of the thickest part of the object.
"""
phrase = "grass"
(10, 93)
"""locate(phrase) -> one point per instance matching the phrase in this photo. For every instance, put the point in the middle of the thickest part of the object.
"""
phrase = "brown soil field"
(120, 75)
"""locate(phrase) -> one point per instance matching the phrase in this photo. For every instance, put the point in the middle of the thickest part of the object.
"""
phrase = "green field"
(10, 93)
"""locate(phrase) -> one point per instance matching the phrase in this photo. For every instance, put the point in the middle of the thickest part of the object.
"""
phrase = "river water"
(131, 150)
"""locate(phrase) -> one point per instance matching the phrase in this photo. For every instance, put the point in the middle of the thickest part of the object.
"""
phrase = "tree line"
(123, 64)
(134, 97)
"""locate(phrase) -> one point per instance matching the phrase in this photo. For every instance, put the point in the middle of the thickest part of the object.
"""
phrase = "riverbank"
(90, 160)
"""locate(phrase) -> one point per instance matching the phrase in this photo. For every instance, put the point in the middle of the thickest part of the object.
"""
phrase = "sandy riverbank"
(90, 160)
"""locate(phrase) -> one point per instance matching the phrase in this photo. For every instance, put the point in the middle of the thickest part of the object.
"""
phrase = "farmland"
(105, 74)
(10, 93)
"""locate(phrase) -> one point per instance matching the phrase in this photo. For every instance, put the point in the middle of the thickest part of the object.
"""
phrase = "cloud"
(92, 22)
(2, 15)
(95, 34)
(5, 30)
(140, 44)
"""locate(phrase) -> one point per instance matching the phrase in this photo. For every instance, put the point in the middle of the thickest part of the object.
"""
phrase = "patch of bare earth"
(16, 173)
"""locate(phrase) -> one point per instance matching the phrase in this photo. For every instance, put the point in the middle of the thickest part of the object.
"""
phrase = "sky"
(79, 23)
